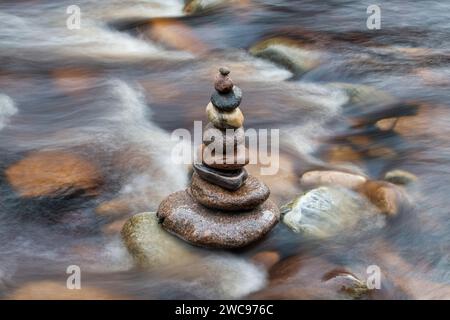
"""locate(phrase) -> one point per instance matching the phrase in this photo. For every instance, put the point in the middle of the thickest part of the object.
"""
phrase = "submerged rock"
(57, 290)
(401, 177)
(347, 283)
(183, 216)
(386, 196)
(174, 34)
(332, 178)
(266, 259)
(327, 211)
(288, 53)
(196, 6)
(54, 174)
(151, 246)
(364, 94)
(220, 276)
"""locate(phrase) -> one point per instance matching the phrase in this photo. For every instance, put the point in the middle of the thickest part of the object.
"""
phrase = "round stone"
(250, 195)
(181, 215)
(230, 180)
(224, 161)
(225, 120)
(227, 137)
(224, 71)
(223, 83)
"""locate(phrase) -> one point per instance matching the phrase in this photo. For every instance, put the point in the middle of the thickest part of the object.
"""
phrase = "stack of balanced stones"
(224, 207)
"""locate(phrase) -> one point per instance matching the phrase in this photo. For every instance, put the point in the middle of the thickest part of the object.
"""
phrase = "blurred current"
(114, 90)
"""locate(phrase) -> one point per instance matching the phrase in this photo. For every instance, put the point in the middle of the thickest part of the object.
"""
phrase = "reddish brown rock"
(266, 258)
(54, 174)
(234, 161)
(249, 196)
(386, 196)
(223, 82)
(181, 215)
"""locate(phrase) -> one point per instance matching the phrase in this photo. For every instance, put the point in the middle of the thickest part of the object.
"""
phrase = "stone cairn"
(224, 207)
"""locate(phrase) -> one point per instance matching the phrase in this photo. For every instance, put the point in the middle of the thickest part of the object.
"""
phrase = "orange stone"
(53, 174)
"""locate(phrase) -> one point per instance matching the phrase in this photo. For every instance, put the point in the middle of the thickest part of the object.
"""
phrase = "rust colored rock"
(54, 174)
(386, 196)
(266, 258)
(223, 83)
(181, 215)
(249, 196)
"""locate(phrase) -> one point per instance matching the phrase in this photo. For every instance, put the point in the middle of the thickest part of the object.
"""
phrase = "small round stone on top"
(223, 83)
(224, 71)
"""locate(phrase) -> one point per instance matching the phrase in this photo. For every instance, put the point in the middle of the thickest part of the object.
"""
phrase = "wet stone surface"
(181, 215)
(250, 195)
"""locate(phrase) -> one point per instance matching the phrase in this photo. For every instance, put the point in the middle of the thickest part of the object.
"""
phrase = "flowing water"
(112, 92)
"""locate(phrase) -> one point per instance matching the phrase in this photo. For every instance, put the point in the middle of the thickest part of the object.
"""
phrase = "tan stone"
(52, 290)
(53, 174)
(225, 120)
(386, 124)
(340, 154)
(400, 177)
(332, 178)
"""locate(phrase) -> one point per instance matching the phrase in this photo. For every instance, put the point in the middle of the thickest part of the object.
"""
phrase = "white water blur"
(7, 110)
(24, 33)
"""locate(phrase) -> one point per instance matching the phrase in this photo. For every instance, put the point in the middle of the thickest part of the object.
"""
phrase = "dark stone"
(229, 101)
(250, 195)
(181, 215)
(213, 134)
(230, 180)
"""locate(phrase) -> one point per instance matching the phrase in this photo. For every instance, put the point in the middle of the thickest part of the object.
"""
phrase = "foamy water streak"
(7, 109)
(23, 33)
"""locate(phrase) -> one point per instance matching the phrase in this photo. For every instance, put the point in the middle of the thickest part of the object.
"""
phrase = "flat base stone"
(182, 216)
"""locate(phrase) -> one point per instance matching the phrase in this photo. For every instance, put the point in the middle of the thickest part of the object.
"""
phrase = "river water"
(137, 70)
